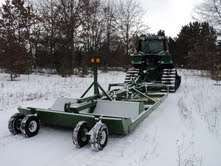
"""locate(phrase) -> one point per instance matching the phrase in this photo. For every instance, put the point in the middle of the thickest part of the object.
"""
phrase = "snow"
(184, 131)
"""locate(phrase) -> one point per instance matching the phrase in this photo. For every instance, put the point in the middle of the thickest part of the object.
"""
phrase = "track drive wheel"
(99, 136)
(30, 125)
(80, 135)
(14, 123)
(178, 81)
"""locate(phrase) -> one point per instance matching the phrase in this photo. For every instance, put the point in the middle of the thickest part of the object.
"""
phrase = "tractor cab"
(152, 45)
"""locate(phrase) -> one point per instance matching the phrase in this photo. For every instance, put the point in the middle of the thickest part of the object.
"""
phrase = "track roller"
(30, 125)
(131, 75)
(14, 123)
(99, 136)
(171, 79)
(80, 135)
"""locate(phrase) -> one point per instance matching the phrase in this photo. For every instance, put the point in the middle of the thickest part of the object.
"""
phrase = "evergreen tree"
(14, 32)
(195, 46)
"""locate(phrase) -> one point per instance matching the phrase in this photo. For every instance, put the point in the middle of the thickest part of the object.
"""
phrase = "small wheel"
(79, 136)
(30, 125)
(15, 123)
(99, 136)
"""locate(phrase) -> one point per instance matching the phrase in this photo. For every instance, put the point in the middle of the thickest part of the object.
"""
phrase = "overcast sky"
(169, 15)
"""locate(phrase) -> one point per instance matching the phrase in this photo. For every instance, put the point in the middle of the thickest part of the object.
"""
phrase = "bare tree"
(210, 11)
(130, 20)
(110, 21)
(48, 13)
(61, 34)
(91, 24)
(68, 29)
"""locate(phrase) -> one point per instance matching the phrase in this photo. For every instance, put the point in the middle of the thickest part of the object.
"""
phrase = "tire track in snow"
(85, 156)
(10, 139)
(116, 152)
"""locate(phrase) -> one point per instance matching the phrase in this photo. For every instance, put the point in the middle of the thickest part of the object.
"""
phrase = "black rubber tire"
(79, 135)
(178, 81)
(96, 141)
(14, 123)
(28, 122)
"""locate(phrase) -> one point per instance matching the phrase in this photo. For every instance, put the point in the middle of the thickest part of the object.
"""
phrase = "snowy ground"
(184, 131)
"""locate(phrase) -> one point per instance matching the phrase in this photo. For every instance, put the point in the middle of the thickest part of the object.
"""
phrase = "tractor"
(152, 61)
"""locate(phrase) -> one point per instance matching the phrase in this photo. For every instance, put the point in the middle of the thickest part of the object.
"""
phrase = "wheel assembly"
(99, 136)
(80, 135)
(30, 125)
(178, 81)
(14, 123)
(171, 79)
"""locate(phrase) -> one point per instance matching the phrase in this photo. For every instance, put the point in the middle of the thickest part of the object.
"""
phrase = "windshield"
(152, 46)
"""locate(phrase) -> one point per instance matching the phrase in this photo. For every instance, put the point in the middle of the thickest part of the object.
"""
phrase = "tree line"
(63, 34)
(198, 45)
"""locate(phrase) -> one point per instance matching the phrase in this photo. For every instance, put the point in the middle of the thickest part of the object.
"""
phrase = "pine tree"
(195, 46)
(14, 31)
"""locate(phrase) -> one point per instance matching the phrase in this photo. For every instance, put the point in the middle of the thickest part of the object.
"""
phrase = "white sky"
(169, 15)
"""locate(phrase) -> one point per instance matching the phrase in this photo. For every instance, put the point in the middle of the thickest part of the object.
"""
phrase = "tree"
(161, 33)
(68, 25)
(195, 46)
(62, 34)
(209, 11)
(92, 29)
(58, 35)
(14, 30)
(110, 21)
(47, 34)
(130, 21)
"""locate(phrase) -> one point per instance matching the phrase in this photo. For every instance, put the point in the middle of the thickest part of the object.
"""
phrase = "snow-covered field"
(184, 131)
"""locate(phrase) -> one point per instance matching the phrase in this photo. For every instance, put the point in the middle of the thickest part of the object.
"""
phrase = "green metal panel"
(141, 107)
(137, 59)
(116, 125)
(120, 116)
(166, 59)
(144, 114)
(119, 126)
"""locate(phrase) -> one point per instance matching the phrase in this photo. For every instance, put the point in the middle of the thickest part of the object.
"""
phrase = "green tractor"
(152, 61)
